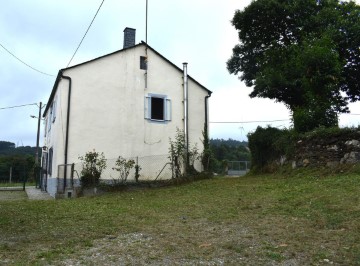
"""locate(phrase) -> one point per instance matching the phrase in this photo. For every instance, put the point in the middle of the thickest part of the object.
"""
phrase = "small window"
(53, 111)
(143, 62)
(158, 108)
(50, 161)
(49, 121)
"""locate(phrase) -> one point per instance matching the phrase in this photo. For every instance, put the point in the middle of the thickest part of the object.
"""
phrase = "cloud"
(45, 35)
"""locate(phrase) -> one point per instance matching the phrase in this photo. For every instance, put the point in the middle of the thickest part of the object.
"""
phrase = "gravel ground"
(212, 244)
(15, 193)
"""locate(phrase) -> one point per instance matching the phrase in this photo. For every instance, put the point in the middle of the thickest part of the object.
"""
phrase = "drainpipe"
(206, 109)
(67, 127)
(186, 109)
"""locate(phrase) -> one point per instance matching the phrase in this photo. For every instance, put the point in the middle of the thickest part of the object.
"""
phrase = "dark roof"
(58, 78)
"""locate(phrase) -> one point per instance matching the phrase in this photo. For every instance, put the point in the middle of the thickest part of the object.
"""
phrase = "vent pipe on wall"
(186, 121)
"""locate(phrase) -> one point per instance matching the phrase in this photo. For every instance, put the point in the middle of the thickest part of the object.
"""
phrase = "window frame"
(166, 107)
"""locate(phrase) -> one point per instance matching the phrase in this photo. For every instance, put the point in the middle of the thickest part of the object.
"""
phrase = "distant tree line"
(19, 161)
(224, 151)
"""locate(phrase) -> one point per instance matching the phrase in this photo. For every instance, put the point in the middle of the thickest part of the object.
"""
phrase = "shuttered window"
(50, 161)
(157, 107)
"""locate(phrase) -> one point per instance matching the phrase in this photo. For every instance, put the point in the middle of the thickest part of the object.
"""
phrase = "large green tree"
(303, 53)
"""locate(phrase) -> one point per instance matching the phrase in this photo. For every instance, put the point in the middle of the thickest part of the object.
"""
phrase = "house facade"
(126, 103)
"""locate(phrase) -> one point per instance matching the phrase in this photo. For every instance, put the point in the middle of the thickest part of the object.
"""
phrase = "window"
(157, 107)
(50, 161)
(48, 121)
(143, 63)
(53, 111)
(52, 116)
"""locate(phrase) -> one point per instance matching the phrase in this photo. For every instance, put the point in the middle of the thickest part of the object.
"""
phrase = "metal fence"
(156, 167)
(238, 168)
(150, 168)
(14, 179)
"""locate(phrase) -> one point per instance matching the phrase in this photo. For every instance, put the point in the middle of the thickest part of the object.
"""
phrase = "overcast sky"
(45, 33)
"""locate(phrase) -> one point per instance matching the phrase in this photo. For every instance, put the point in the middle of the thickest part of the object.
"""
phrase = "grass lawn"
(253, 220)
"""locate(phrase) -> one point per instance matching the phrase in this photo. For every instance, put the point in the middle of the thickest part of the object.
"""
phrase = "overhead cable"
(26, 64)
(247, 122)
(85, 33)
(16, 106)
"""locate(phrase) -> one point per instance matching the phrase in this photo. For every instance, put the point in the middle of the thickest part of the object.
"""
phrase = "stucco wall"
(107, 108)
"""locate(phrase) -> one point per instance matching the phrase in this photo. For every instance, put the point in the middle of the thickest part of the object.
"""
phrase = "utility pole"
(38, 136)
(37, 164)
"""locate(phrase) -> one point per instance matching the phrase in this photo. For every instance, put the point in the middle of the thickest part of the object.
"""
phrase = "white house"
(126, 103)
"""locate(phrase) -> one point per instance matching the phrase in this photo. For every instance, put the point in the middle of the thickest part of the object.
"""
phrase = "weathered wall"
(328, 151)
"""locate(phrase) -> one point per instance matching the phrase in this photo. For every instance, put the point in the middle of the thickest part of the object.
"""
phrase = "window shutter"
(50, 161)
(54, 111)
(147, 105)
(167, 109)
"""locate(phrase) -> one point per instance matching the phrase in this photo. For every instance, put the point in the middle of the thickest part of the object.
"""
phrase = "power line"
(247, 122)
(26, 64)
(85, 33)
(261, 121)
(16, 106)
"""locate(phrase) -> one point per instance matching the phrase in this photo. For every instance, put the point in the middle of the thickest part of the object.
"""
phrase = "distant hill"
(8, 148)
(228, 142)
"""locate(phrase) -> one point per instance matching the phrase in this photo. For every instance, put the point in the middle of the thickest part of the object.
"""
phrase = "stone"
(352, 157)
(282, 160)
(333, 148)
(306, 162)
(353, 142)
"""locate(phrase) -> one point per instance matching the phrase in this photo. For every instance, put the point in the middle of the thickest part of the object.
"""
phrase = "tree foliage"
(228, 150)
(20, 159)
(268, 145)
(303, 53)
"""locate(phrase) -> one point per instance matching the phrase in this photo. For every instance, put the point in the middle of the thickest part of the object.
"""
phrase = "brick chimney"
(129, 37)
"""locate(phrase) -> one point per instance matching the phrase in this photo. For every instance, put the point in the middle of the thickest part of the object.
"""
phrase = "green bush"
(124, 167)
(93, 165)
(268, 145)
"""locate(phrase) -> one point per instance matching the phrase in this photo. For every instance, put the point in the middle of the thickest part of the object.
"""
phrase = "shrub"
(93, 164)
(124, 167)
(178, 156)
(268, 145)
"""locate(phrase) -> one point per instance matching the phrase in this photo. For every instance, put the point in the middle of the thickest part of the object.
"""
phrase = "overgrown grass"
(303, 219)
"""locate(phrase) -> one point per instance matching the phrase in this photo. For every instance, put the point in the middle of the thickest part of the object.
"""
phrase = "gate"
(238, 168)
(14, 179)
